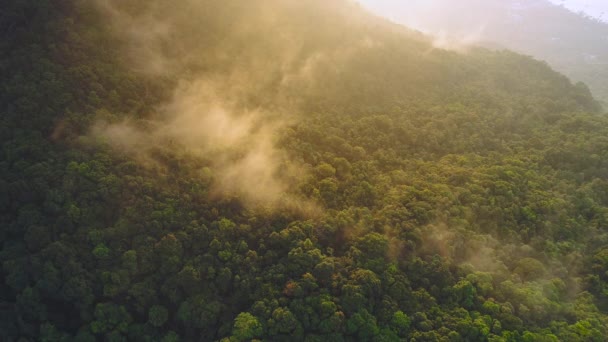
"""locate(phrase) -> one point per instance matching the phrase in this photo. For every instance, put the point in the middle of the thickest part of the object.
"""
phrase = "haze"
(569, 35)
(395, 9)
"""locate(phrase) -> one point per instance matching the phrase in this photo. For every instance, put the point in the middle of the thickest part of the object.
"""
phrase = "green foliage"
(101, 251)
(444, 196)
(158, 315)
(246, 327)
(400, 324)
(110, 318)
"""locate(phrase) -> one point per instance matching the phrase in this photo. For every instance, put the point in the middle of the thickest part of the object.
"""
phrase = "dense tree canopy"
(438, 196)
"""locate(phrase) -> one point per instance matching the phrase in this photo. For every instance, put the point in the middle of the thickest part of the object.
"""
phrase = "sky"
(594, 8)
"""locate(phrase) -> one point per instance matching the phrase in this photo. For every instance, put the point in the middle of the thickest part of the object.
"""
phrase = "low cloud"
(214, 115)
(238, 145)
(461, 42)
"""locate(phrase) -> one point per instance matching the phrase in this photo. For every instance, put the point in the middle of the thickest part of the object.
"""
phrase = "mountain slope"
(289, 170)
(572, 43)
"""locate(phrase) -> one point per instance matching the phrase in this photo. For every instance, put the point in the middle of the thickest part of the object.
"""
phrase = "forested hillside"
(575, 44)
(287, 170)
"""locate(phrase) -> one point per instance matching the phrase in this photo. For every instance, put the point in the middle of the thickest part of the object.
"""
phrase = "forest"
(287, 170)
(574, 44)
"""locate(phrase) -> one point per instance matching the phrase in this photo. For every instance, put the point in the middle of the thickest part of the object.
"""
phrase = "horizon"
(594, 8)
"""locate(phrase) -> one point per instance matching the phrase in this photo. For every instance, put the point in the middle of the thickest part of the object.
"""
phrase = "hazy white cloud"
(431, 17)
(208, 116)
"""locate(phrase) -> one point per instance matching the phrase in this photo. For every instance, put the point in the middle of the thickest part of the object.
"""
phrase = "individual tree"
(246, 327)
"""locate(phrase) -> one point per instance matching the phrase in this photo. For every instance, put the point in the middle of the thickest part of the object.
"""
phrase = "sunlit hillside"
(287, 170)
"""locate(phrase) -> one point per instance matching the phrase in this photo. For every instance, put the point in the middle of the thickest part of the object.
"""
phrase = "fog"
(410, 12)
(217, 115)
(570, 35)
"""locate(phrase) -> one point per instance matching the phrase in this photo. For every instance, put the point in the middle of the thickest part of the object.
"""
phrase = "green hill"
(289, 170)
(572, 43)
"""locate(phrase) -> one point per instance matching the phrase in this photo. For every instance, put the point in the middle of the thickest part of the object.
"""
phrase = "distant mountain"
(572, 43)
